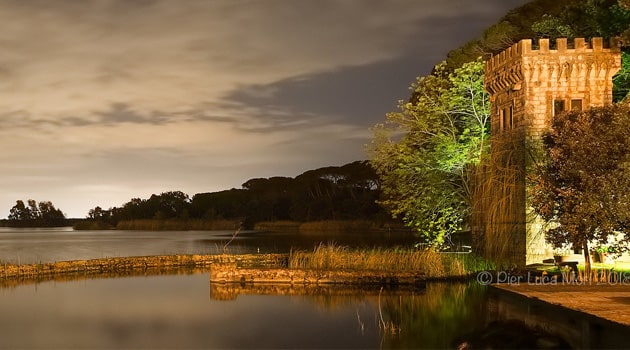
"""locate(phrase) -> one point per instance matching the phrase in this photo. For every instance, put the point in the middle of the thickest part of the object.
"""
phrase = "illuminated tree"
(427, 152)
(583, 188)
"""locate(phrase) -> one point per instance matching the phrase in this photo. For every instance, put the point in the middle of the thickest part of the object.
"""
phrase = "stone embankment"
(122, 266)
(231, 273)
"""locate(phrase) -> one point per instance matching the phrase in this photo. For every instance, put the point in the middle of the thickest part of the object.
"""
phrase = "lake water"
(184, 310)
(48, 245)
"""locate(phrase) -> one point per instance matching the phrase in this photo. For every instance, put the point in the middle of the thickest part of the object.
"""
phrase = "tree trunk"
(587, 261)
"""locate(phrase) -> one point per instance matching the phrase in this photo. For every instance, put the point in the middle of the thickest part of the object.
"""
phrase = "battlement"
(528, 47)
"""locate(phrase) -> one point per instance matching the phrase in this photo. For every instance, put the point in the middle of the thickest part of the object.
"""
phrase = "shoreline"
(223, 269)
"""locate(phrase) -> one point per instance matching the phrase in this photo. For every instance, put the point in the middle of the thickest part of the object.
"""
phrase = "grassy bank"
(328, 226)
(278, 226)
(178, 225)
(161, 225)
(330, 264)
(429, 263)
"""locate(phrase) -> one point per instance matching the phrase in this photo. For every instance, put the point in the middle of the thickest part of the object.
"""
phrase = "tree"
(427, 152)
(48, 212)
(583, 187)
(36, 214)
(97, 213)
(19, 212)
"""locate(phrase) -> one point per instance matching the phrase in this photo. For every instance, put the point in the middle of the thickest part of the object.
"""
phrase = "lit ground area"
(608, 300)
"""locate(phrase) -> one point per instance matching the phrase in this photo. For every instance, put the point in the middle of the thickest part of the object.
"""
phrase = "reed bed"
(283, 226)
(340, 226)
(430, 263)
(178, 225)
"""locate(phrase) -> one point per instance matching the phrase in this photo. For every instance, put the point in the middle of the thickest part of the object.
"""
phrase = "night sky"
(102, 101)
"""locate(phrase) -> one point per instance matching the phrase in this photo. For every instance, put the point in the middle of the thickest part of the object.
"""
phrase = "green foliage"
(621, 81)
(584, 186)
(515, 25)
(549, 19)
(426, 171)
(553, 27)
(590, 18)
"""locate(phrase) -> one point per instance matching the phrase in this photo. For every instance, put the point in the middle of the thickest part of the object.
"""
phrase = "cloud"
(358, 95)
(66, 57)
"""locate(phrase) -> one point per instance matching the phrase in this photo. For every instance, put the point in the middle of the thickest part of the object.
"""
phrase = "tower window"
(558, 107)
(576, 105)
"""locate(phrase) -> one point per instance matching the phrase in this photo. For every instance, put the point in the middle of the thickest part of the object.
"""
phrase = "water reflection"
(435, 315)
(184, 310)
(445, 315)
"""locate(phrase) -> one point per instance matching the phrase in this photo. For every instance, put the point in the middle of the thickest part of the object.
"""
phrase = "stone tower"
(528, 85)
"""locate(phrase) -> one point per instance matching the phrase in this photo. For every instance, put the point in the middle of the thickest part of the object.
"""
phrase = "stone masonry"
(529, 83)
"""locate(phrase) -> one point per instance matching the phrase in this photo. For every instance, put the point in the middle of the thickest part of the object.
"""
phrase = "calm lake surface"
(183, 310)
(48, 245)
(186, 311)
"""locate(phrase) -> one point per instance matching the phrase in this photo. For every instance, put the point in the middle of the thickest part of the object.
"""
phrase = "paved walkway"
(607, 301)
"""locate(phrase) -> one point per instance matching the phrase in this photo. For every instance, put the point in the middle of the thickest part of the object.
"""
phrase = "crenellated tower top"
(527, 47)
(530, 76)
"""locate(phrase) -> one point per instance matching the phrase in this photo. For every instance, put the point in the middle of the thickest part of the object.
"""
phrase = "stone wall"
(231, 273)
(121, 266)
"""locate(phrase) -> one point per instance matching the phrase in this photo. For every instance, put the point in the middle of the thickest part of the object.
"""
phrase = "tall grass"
(340, 226)
(330, 226)
(177, 225)
(429, 263)
(283, 226)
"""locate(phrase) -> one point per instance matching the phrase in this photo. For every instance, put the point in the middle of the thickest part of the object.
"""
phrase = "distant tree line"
(34, 214)
(345, 192)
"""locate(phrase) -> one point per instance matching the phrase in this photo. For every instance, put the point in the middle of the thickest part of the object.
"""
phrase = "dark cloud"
(123, 113)
(358, 95)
